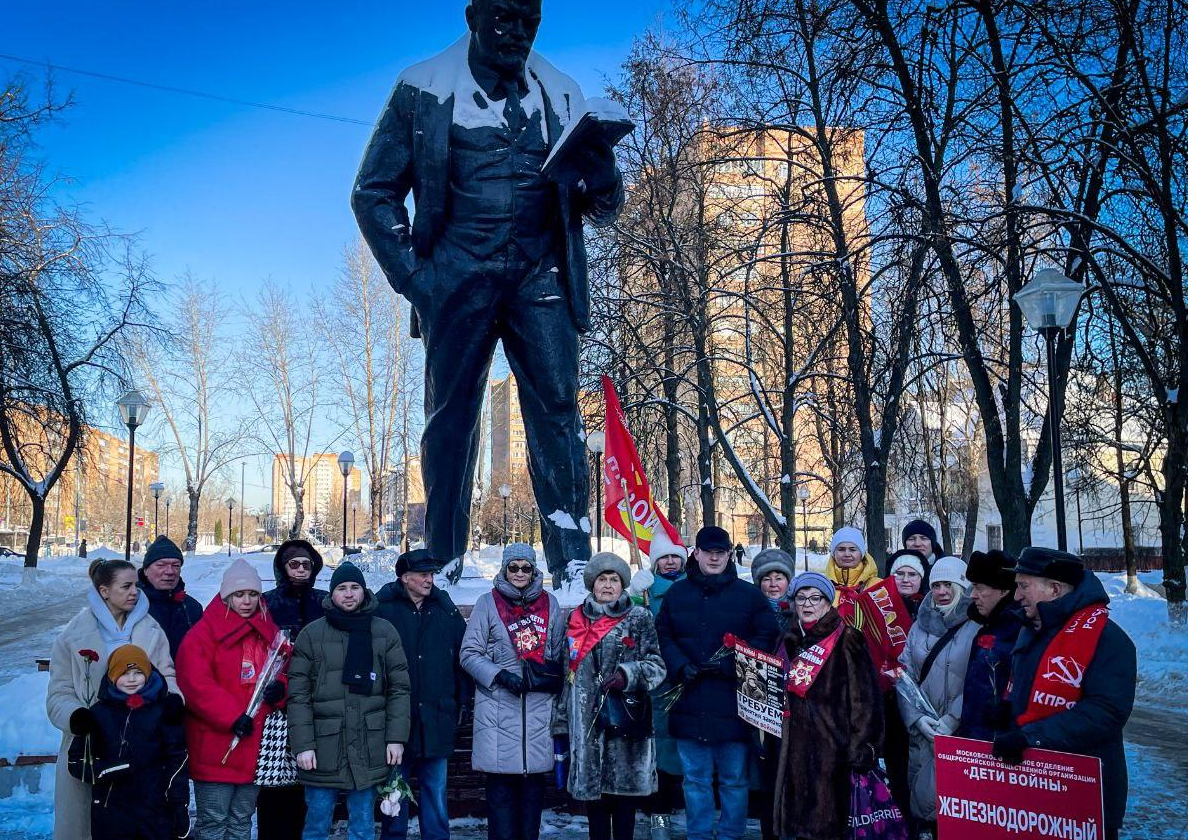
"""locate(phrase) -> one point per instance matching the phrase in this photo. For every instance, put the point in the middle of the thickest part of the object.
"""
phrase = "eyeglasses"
(519, 568)
(300, 564)
(809, 600)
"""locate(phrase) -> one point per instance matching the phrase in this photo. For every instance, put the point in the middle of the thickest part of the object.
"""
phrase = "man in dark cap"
(432, 630)
(697, 612)
(1073, 673)
(174, 609)
(984, 709)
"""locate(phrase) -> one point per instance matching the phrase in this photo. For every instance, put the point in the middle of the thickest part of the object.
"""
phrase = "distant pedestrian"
(612, 653)
(696, 615)
(220, 662)
(984, 710)
(133, 751)
(117, 613)
(1086, 710)
(294, 603)
(513, 649)
(739, 553)
(348, 706)
(170, 605)
(936, 655)
(83, 548)
(432, 632)
(834, 725)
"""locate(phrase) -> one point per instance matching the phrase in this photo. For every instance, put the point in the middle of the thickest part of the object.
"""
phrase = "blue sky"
(233, 193)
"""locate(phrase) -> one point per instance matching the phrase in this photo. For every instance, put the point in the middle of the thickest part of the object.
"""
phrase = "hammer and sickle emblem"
(1066, 670)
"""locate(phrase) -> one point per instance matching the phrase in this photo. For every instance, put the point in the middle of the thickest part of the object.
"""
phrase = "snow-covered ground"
(34, 606)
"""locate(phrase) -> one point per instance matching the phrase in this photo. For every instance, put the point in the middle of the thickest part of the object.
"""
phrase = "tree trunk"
(971, 513)
(298, 517)
(37, 518)
(194, 499)
(672, 442)
(1170, 505)
(705, 471)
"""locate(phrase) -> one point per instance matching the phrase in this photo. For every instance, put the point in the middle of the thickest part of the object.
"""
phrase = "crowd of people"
(284, 703)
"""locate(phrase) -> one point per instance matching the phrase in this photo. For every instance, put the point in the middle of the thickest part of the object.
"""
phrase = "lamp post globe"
(133, 408)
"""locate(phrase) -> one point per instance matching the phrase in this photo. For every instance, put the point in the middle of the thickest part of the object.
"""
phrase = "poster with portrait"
(760, 688)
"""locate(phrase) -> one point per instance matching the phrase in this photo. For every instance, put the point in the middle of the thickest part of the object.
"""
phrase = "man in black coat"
(1078, 703)
(984, 709)
(697, 612)
(173, 608)
(294, 603)
(432, 630)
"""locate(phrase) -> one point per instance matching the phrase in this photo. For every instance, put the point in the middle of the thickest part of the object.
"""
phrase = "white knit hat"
(662, 545)
(950, 570)
(908, 561)
(848, 534)
(239, 577)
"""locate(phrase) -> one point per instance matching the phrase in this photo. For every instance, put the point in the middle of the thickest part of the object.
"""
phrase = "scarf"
(358, 675)
(526, 624)
(112, 635)
(805, 668)
(590, 623)
(1058, 683)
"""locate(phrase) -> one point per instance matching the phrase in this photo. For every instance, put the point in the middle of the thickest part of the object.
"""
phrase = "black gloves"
(243, 727)
(275, 692)
(996, 714)
(180, 822)
(83, 722)
(1009, 746)
(616, 682)
(690, 673)
(510, 681)
(173, 709)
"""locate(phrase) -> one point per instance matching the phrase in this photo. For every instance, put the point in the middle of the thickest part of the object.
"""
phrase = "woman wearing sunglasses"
(512, 649)
(834, 726)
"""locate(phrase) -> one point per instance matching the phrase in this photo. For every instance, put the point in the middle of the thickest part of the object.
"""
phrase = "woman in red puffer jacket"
(218, 665)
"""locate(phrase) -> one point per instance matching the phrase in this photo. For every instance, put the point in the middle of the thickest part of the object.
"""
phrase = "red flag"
(622, 467)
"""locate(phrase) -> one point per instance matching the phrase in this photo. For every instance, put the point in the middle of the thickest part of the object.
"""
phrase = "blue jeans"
(361, 804)
(431, 774)
(701, 762)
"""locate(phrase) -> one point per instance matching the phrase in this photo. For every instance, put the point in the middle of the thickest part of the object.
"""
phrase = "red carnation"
(729, 640)
(985, 642)
(135, 701)
(628, 641)
(178, 596)
(90, 655)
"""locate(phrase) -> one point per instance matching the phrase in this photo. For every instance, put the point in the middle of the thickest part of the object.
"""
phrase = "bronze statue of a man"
(495, 251)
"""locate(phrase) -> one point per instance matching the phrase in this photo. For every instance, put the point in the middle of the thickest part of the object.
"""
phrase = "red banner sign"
(630, 508)
(1051, 794)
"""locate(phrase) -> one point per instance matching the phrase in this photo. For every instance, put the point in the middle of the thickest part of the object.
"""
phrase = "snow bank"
(24, 727)
(27, 812)
(1160, 648)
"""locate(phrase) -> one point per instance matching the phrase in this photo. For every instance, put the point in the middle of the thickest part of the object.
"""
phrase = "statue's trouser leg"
(543, 348)
(456, 300)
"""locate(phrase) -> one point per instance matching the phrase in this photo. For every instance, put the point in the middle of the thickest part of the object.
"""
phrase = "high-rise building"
(323, 487)
(507, 434)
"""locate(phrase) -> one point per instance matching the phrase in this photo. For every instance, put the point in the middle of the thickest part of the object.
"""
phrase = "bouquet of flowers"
(726, 649)
(392, 792)
(911, 691)
(277, 658)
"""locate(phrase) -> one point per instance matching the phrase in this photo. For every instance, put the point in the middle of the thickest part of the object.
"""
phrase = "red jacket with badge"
(217, 667)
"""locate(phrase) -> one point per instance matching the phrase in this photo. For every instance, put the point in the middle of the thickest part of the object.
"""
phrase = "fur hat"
(417, 560)
(240, 576)
(1052, 564)
(992, 568)
(772, 560)
(347, 572)
(606, 562)
(909, 558)
(126, 657)
(162, 549)
(949, 570)
(662, 545)
(848, 534)
(812, 580)
(518, 551)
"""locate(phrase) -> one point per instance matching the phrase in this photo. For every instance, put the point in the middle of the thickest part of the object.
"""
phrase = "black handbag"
(627, 714)
(546, 677)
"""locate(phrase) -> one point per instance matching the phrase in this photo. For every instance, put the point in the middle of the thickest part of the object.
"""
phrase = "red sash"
(805, 668)
(583, 634)
(1058, 683)
(527, 626)
(885, 625)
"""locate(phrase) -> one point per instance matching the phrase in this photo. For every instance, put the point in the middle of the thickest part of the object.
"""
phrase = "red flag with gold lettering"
(630, 508)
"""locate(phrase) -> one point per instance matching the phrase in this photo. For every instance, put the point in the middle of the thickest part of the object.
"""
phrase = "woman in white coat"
(117, 613)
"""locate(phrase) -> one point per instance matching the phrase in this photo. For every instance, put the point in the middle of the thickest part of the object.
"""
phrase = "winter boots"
(659, 829)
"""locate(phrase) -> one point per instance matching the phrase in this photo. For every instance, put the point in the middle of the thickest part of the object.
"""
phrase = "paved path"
(29, 634)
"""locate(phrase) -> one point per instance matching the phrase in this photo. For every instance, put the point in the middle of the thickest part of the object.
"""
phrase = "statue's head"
(503, 31)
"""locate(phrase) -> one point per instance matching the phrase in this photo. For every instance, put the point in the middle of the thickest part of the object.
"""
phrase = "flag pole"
(629, 519)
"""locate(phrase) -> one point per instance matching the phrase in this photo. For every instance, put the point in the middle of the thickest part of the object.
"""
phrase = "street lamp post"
(597, 445)
(354, 522)
(134, 408)
(157, 490)
(345, 461)
(504, 492)
(230, 527)
(242, 509)
(803, 494)
(1049, 301)
(167, 501)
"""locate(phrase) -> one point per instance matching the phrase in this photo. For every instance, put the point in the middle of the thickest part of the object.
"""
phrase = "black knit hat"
(1052, 564)
(347, 573)
(713, 538)
(992, 568)
(162, 549)
(417, 560)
